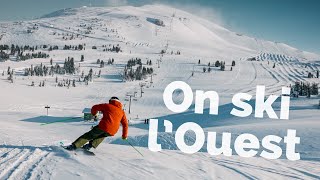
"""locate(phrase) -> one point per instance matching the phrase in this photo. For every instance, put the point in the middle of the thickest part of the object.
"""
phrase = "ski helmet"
(114, 98)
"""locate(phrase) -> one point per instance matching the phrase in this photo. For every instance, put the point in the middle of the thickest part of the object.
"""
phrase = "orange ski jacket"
(113, 115)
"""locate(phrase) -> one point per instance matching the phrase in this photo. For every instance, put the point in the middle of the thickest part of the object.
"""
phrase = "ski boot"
(87, 147)
(71, 147)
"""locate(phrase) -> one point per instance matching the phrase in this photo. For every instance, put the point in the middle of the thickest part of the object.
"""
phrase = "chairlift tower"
(141, 88)
(130, 97)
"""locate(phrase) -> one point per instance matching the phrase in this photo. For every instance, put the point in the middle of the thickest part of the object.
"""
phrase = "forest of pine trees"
(102, 63)
(139, 73)
(220, 64)
(20, 52)
(305, 89)
(79, 47)
(42, 70)
(27, 52)
(116, 48)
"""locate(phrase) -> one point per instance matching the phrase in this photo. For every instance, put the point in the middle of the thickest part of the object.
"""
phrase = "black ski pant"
(95, 136)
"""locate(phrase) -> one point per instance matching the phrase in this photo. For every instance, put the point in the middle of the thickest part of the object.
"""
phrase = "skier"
(113, 115)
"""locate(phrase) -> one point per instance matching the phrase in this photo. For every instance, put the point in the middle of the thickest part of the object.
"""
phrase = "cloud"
(208, 13)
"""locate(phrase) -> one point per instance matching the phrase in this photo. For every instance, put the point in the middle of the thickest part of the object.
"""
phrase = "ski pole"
(133, 147)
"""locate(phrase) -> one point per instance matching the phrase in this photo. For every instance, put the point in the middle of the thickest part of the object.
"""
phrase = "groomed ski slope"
(31, 151)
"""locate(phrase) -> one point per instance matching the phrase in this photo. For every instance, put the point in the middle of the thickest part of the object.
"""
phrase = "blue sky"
(295, 22)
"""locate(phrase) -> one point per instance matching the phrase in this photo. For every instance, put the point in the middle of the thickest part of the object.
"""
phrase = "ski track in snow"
(22, 163)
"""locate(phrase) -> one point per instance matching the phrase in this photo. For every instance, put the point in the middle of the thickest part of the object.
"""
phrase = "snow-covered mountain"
(190, 47)
(134, 25)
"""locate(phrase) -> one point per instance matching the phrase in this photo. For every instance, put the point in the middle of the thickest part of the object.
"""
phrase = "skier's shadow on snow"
(43, 120)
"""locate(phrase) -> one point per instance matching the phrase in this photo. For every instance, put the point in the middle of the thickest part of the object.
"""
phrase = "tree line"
(218, 64)
(19, 52)
(42, 70)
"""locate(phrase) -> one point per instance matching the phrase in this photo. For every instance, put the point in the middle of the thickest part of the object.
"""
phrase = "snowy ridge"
(132, 26)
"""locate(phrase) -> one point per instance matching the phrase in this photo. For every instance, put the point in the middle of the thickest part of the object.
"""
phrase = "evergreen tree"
(102, 64)
(82, 58)
(222, 66)
(90, 75)
(80, 47)
(314, 89)
(217, 64)
(10, 78)
(74, 83)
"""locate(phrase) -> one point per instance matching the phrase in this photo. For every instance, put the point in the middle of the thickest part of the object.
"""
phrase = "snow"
(29, 150)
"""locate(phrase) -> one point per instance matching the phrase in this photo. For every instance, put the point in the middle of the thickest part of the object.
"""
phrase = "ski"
(85, 151)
